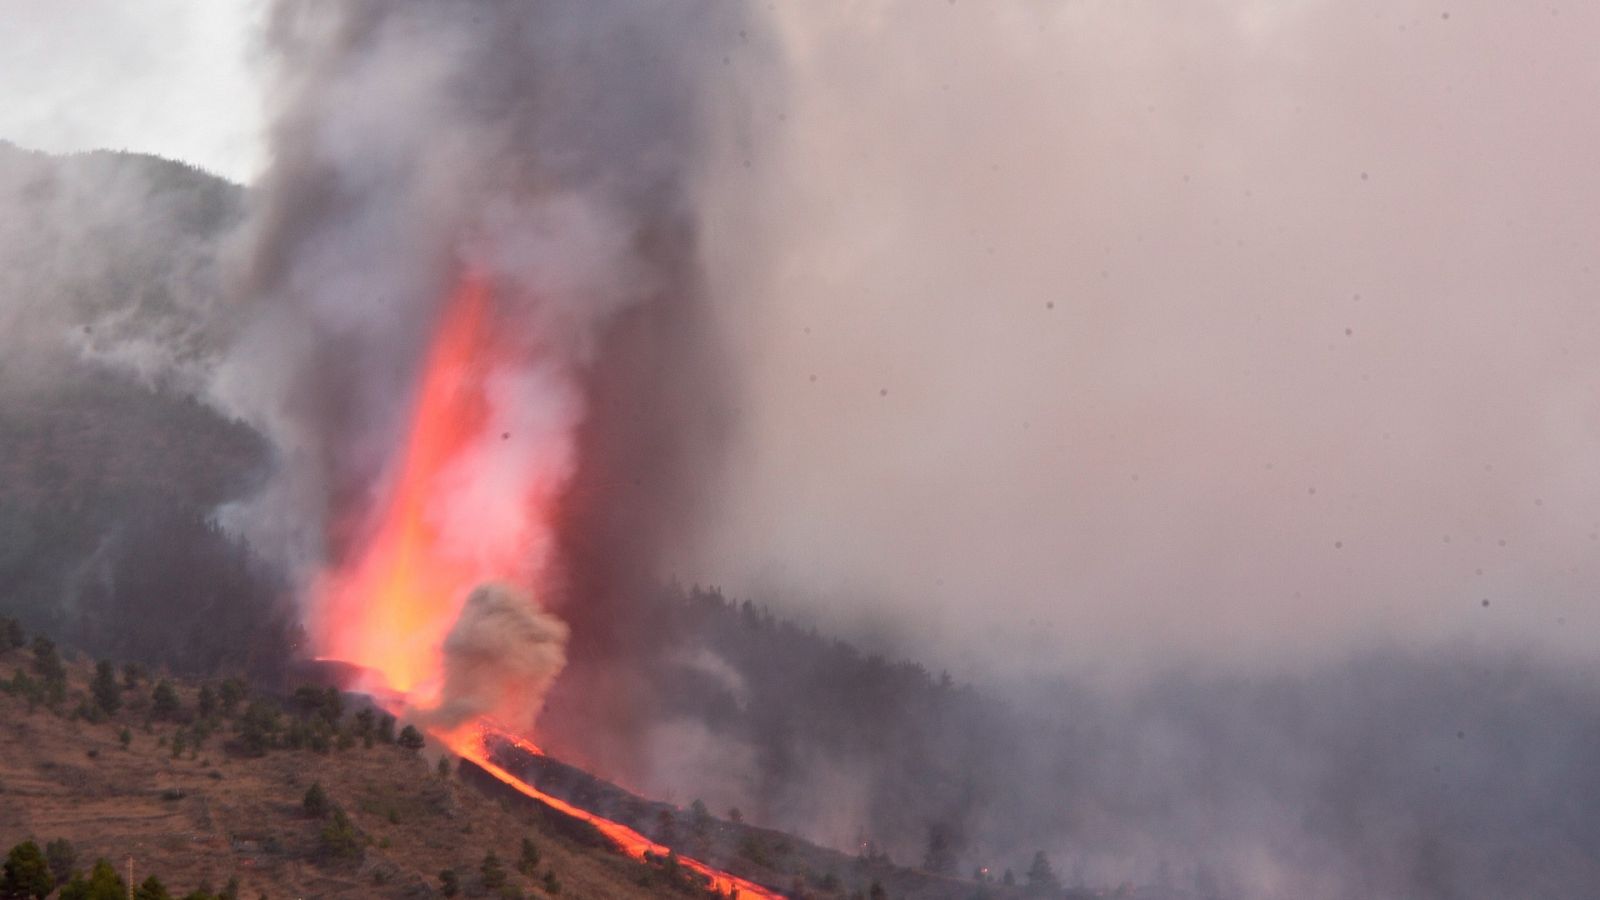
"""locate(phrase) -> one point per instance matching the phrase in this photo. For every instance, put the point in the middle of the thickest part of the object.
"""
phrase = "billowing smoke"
(500, 659)
(1238, 331)
(110, 259)
(536, 162)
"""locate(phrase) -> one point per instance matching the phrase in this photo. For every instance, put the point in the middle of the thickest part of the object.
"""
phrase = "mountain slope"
(208, 814)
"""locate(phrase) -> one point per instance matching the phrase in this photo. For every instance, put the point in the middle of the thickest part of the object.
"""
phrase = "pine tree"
(11, 635)
(230, 695)
(103, 883)
(1040, 876)
(164, 700)
(62, 858)
(315, 802)
(107, 693)
(494, 874)
(47, 665)
(258, 727)
(699, 818)
(528, 862)
(26, 873)
(940, 857)
(152, 889)
(411, 738)
(339, 838)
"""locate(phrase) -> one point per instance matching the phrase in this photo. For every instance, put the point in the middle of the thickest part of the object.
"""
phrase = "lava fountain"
(468, 503)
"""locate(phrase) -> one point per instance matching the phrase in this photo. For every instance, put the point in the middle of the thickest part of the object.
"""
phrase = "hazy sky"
(170, 77)
(1096, 332)
(1075, 333)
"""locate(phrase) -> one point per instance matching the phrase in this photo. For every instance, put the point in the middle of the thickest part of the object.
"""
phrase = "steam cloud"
(500, 658)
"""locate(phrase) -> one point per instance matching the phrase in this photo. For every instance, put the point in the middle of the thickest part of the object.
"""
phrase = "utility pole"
(130, 876)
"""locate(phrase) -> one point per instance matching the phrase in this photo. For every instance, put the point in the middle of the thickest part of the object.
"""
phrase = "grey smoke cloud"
(411, 143)
(1098, 336)
(112, 260)
(1134, 467)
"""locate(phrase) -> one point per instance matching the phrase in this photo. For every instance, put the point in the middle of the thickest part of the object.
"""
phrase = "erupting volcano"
(458, 539)
(456, 510)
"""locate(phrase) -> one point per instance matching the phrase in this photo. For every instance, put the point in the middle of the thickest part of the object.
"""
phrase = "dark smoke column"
(552, 149)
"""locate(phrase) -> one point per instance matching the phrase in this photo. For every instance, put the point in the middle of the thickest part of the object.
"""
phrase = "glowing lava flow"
(467, 502)
(390, 611)
(471, 746)
(468, 499)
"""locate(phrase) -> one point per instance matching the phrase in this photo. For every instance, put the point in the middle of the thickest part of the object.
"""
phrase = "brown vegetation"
(202, 813)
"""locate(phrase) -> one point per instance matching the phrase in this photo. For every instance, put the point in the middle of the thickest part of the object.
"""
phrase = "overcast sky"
(171, 77)
(1094, 332)
(1071, 333)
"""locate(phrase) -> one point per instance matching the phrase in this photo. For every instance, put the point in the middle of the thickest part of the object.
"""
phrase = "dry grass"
(212, 815)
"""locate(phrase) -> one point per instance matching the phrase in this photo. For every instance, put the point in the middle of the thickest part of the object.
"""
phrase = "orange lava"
(390, 609)
(470, 745)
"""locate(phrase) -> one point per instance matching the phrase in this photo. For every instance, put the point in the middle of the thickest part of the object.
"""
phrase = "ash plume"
(552, 151)
(500, 658)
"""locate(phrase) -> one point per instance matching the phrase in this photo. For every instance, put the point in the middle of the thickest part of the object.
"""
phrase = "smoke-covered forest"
(112, 468)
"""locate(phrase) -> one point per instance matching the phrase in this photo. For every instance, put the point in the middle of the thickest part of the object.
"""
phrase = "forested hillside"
(110, 469)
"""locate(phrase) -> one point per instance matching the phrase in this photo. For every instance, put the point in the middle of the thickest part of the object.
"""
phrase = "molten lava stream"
(389, 609)
(469, 745)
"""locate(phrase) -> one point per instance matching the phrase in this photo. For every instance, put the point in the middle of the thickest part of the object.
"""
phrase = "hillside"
(110, 470)
(208, 812)
(205, 785)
